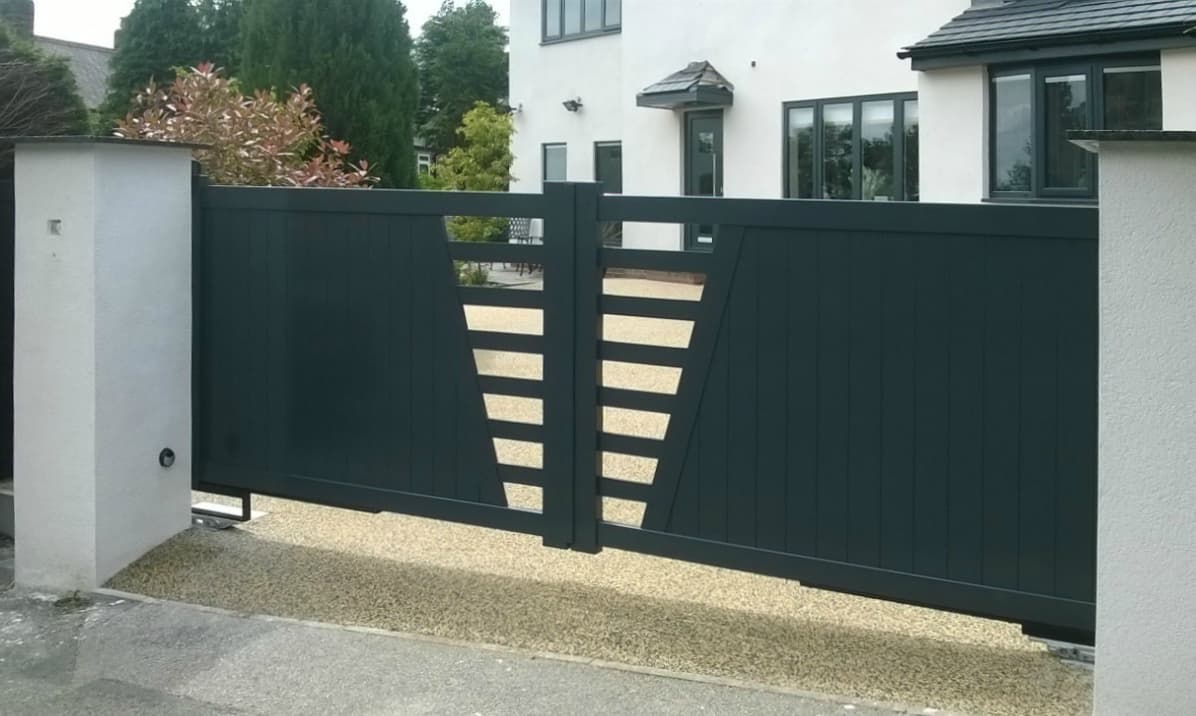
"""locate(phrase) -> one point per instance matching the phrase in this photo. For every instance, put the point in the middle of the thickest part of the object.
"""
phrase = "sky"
(94, 22)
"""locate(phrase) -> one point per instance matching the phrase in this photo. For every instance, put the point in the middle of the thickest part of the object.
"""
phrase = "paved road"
(106, 655)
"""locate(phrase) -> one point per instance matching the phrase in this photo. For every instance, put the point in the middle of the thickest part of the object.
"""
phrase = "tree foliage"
(462, 60)
(159, 36)
(258, 140)
(356, 57)
(480, 162)
(38, 95)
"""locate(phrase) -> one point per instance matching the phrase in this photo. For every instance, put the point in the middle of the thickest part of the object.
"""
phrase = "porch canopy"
(698, 86)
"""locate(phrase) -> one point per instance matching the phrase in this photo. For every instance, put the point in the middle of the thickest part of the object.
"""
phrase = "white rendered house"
(809, 99)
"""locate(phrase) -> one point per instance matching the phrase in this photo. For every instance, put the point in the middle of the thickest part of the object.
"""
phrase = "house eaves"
(1016, 29)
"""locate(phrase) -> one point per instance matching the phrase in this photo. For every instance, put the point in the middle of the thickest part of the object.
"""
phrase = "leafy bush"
(259, 141)
(482, 162)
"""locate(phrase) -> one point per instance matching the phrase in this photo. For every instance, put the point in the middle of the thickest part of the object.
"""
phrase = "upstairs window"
(854, 148)
(1033, 108)
(569, 19)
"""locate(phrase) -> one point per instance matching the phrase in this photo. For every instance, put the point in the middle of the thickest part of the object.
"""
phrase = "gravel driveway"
(415, 575)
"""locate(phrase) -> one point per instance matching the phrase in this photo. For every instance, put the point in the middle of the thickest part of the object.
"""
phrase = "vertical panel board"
(399, 299)
(932, 416)
(1002, 395)
(834, 393)
(256, 310)
(802, 296)
(1038, 419)
(1078, 386)
(368, 446)
(423, 360)
(446, 364)
(740, 324)
(965, 550)
(357, 358)
(309, 387)
(711, 436)
(226, 320)
(277, 329)
(897, 509)
(865, 407)
(771, 388)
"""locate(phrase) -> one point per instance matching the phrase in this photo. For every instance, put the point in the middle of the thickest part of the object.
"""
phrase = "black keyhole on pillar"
(166, 457)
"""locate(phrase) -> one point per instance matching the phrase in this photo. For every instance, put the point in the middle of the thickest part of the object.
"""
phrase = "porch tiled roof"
(1010, 22)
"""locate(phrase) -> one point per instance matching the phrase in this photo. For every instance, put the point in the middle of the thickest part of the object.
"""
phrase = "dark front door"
(703, 169)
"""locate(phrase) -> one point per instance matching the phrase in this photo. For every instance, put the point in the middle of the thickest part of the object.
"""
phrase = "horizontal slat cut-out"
(505, 364)
(489, 252)
(519, 453)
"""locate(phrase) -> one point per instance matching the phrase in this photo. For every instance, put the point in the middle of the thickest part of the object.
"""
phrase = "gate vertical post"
(560, 247)
(587, 369)
(571, 367)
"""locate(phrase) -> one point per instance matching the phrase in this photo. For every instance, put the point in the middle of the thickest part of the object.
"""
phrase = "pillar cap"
(1090, 139)
(101, 140)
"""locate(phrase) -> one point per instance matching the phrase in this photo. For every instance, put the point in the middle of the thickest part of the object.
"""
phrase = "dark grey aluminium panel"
(334, 361)
(918, 404)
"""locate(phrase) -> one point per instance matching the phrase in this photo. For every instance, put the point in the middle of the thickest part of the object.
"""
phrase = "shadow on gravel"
(243, 572)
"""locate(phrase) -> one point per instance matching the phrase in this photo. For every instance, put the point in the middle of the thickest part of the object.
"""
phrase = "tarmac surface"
(98, 655)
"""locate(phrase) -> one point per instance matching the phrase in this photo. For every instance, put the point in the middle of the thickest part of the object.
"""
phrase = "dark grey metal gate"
(896, 400)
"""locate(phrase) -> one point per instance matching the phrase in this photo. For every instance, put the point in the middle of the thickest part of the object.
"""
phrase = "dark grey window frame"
(584, 34)
(1094, 71)
(544, 160)
(898, 98)
(598, 147)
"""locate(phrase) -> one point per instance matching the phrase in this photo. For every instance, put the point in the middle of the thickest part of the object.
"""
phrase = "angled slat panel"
(693, 381)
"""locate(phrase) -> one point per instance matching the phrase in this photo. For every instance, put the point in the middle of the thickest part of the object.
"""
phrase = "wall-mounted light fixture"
(573, 105)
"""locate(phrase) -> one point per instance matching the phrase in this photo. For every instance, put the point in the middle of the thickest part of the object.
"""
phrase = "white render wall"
(802, 49)
(953, 116)
(1179, 89)
(102, 357)
(1146, 566)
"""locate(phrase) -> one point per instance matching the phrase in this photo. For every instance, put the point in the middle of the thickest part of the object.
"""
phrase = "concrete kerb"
(548, 656)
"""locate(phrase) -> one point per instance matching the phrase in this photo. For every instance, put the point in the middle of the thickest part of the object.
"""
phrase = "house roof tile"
(90, 64)
(1011, 22)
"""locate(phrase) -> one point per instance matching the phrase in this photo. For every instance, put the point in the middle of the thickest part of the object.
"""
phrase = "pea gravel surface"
(414, 575)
